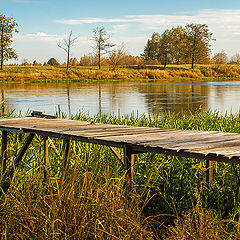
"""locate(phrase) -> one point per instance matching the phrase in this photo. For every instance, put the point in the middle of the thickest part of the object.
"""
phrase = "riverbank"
(172, 72)
(169, 199)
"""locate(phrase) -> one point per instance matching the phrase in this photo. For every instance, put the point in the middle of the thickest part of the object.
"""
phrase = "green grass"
(170, 198)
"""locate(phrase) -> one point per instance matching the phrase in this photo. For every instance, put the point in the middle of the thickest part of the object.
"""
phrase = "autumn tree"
(88, 60)
(220, 58)
(7, 27)
(179, 44)
(66, 44)
(198, 42)
(151, 50)
(168, 47)
(74, 62)
(102, 43)
(235, 59)
(165, 48)
(117, 55)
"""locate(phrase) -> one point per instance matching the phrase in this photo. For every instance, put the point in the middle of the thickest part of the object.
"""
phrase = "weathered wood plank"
(188, 141)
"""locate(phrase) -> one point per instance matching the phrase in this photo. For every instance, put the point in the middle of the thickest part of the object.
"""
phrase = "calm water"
(122, 97)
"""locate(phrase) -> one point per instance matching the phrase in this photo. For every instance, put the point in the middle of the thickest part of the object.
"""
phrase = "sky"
(42, 23)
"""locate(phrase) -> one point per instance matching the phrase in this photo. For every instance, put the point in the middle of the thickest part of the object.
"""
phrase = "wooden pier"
(206, 145)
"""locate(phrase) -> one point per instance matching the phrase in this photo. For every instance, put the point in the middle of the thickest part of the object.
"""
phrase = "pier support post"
(128, 162)
(46, 158)
(66, 151)
(209, 172)
(4, 151)
(5, 184)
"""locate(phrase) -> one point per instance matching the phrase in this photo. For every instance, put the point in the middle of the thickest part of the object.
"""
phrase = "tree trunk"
(193, 58)
(99, 61)
(68, 60)
(165, 63)
(99, 56)
(2, 50)
(68, 54)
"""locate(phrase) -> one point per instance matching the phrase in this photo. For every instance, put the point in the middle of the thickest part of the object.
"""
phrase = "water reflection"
(121, 97)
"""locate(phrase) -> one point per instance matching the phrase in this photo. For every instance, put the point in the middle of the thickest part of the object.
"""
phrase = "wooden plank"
(8, 176)
(197, 142)
(149, 138)
(188, 144)
(186, 154)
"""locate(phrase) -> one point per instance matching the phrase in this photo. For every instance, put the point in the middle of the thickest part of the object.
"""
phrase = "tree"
(165, 48)
(151, 51)
(235, 59)
(198, 38)
(116, 56)
(179, 44)
(53, 62)
(168, 47)
(88, 60)
(7, 27)
(220, 58)
(74, 62)
(66, 44)
(101, 43)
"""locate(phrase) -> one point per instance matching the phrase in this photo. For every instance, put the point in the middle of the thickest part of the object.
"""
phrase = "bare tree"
(101, 43)
(66, 44)
(116, 56)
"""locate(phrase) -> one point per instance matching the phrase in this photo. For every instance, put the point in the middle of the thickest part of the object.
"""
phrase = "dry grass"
(36, 73)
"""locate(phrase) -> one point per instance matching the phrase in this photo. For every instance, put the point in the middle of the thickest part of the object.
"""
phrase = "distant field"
(172, 72)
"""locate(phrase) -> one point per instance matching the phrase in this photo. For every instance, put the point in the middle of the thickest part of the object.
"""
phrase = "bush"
(53, 62)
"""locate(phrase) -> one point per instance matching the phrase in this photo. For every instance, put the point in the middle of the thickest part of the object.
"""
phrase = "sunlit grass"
(172, 72)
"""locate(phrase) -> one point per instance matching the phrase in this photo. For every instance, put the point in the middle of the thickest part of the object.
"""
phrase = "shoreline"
(15, 74)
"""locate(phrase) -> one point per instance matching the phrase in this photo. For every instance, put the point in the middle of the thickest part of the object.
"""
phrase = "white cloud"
(120, 28)
(39, 36)
(225, 24)
(93, 20)
(212, 17)
(42, 46)
(134, 30)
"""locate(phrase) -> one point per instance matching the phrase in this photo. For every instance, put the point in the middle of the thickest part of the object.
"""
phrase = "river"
(121, 97)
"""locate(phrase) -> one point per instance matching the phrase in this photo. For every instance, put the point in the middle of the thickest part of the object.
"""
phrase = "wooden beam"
(209, 172)
(5, 184)
(127, 162)
(4, 151)
(66, 151)
(117, 154)
(46, 158)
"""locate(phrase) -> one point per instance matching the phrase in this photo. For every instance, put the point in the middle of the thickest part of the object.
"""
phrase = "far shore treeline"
(179, 52)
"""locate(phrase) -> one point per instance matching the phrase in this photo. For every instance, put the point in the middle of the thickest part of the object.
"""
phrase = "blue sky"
(44, 22)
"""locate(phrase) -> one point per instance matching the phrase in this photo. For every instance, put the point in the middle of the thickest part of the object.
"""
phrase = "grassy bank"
(49, 73)
(170, 198)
